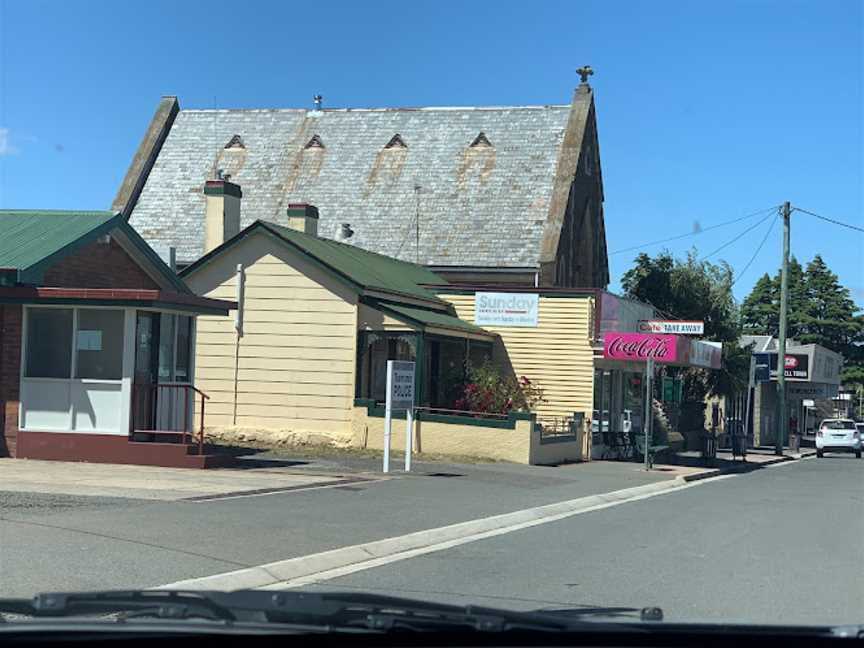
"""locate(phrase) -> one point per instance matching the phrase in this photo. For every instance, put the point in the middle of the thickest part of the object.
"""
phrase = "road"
(780, 544)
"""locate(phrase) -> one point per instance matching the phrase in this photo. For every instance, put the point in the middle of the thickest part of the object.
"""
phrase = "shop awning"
(437, 322)
(128, 297)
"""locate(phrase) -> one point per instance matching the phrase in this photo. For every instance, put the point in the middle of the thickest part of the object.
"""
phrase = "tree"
(821, 311)
(760, 311)
(830, 319)
(700, 290)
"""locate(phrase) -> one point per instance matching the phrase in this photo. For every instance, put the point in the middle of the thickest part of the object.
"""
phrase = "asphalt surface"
(779, 545)
(61, 542)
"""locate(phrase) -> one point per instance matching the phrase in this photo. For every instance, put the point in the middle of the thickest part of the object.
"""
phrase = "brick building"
(96, 338)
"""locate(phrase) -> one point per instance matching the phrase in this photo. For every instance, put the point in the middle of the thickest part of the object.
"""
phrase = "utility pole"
(782, 421)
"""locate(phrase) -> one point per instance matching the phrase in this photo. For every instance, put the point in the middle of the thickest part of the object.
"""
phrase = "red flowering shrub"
(488, 390)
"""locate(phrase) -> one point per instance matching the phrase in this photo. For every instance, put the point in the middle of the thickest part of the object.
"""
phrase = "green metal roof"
(28, 238)
(431, 318)
(367, 270)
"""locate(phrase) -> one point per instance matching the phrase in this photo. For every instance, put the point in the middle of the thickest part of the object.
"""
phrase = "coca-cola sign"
(641, 346)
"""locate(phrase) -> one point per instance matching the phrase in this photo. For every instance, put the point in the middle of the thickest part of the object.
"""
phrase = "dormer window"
(315, 142)
(235, 142)
(480, 141)
(396, 142)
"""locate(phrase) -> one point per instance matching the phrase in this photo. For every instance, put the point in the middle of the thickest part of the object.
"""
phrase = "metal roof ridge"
(377, 109)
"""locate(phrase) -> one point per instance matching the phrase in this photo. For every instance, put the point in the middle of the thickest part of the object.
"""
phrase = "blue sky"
(707, 110)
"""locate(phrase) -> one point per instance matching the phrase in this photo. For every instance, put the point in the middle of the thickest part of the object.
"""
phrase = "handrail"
(179, 384)
(186, 432)
(462, 412)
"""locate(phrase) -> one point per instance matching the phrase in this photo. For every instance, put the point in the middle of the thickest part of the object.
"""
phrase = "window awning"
(437, 322)
(130, 297)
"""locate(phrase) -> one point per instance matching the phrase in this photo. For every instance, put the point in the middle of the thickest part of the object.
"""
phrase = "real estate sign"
(506, 309)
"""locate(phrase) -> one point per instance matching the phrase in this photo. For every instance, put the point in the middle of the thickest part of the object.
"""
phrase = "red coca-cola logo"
(643, 348)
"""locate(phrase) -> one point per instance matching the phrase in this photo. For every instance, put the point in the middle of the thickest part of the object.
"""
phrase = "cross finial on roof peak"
(584, 72)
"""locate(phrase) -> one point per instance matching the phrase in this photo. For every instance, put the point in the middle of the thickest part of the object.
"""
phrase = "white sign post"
(400, 396)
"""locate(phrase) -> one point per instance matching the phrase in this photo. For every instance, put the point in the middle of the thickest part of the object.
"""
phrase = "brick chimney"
(303, 218)
(222, 220)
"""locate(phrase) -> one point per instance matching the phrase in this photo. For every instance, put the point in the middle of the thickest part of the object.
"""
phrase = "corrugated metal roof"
(368, 269)
(435, 319)
(28, 237)
(475, 206)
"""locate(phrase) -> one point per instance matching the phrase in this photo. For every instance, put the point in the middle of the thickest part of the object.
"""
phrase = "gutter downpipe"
(238, 333)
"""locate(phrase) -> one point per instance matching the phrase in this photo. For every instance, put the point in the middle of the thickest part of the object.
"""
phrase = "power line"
(731, 241)
(830, 220)
(706, 229)
(755, 254)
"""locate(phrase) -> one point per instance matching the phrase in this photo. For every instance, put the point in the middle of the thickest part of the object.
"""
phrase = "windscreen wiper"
(336, 611)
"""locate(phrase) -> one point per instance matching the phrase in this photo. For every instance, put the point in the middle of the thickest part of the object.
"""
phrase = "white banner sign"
(672, 327)
(506, 309)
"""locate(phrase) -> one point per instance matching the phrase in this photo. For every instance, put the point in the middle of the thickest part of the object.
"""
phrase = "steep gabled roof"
(498, 206)
(367, 271)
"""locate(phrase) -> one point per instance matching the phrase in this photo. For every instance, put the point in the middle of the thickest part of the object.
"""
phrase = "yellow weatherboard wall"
(295, 359)
(557, 353)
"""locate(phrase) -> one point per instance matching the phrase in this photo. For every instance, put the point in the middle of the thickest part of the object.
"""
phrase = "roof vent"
(396, 142)
(481, 140)
(235, 142)
(315, 142)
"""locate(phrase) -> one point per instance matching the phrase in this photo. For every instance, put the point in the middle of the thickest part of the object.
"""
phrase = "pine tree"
(829, 312)
(760, 311)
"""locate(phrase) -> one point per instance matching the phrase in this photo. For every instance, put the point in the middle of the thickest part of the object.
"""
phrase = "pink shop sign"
(641, 346)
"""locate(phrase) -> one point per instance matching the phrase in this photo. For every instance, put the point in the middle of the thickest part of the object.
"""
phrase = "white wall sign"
(506, 309)
(89, 340)
(672, 327)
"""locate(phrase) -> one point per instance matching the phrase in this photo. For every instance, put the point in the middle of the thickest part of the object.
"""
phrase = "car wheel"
(857, 454)
(820, 453)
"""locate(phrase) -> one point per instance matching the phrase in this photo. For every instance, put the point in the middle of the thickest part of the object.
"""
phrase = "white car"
(841, 435)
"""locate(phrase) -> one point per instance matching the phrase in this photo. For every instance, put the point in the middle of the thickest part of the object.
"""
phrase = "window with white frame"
(49, 343)
(92, 337)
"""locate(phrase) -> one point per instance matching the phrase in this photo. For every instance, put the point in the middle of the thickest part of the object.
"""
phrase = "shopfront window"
(49, 343)
(601, 421)
(446, 362)
(479, 353)
(99, 344)
(376, 348)
(633, 400)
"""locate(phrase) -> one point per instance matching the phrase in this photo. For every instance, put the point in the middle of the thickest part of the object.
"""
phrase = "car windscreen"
(839, 425)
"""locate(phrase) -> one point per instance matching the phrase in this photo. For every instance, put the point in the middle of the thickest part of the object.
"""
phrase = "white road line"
(313, 568)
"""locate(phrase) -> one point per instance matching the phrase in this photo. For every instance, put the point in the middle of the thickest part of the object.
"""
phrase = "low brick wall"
(514, 439)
